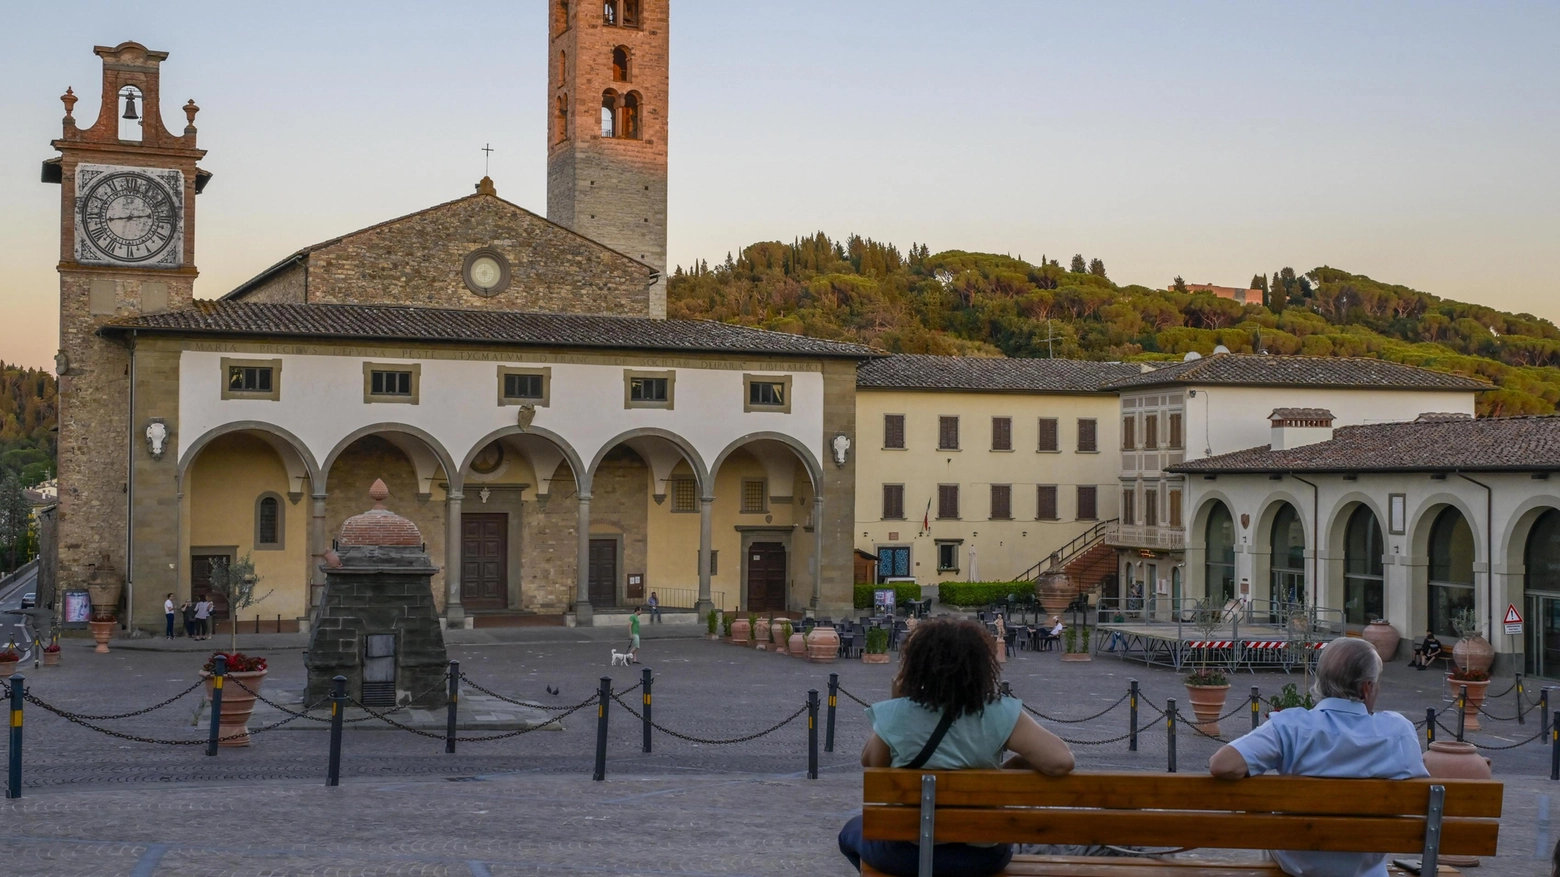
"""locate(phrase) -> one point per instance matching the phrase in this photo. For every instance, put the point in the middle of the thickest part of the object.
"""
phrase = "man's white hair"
(1347, 663)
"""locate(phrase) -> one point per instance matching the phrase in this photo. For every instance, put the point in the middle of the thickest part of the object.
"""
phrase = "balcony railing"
(1138, 536)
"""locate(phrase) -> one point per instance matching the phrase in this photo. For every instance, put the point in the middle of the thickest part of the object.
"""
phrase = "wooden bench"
(1409, 819)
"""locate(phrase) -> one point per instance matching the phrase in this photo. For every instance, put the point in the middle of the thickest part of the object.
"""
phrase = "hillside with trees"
(979, 304)
(29, 405)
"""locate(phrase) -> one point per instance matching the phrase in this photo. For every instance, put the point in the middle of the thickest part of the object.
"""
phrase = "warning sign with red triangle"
(1513, 620)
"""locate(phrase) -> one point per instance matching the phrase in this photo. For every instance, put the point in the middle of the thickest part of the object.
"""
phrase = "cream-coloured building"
(978, 469)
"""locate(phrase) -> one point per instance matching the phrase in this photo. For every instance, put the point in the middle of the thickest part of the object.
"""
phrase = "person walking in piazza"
(1342, 736)
(168, 609)
(188, 612)
(633, 636)
(655, 608)
(203, 618)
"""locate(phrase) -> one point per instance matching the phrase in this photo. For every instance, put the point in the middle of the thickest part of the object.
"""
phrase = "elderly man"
(1342, 736)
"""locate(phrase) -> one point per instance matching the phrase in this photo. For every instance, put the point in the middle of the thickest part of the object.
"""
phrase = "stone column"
(454, 613)
(817, 560)
(582, 608)
(319, 543)
(705, 604)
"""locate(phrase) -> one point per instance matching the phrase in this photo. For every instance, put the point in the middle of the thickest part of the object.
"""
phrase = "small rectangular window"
(753, 497)
(1001, 502)
(1002, 433)
(1048, 437)
(1176, 441)
(947, 501)
(1151, 432)
(1128, 433)
(1150, 508)
(1045, 503)
(947, 556)
(251, 379)
(1088, 503)
(384, 382)
(893, 502)
(268, 523)
(947, 433)
(643, 389)
(1173, 498)
(647, 389)
(765, 393)
(522, 386)
(894, 431)
(1128, 512)
(1087, 435)
(771, 393)
(390, 383)
(684, 495)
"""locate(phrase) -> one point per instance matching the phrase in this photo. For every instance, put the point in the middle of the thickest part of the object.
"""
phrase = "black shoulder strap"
(932, 742)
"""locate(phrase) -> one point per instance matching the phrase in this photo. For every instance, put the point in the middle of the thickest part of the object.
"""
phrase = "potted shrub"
(1478, 683)
(1075, 644)
(740, 630)
(782, 634)
(51, 654)
(1472, 653)
(1206, 688)
(102, 625)
(876, 651)
(237, 704)
(8, 661)
(823, 644)
(1290, 698)
(709, 624)
(725, 622)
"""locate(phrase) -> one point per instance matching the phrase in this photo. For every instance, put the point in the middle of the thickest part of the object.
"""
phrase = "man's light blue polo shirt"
(1336, 738)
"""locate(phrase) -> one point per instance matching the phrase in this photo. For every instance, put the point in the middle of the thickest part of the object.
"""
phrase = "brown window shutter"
(1128, 433)
(947, 433)
(1045, 506)
(1002, 433)
(1150, 508)
(893, 430)
(1175, 508)
(1176, 440)
(1087, 430)
(1001, 502)
(1128, 513)
(1048, 440)
(947, 500)
(1151, 432)
(1088, 505)
(893, 502)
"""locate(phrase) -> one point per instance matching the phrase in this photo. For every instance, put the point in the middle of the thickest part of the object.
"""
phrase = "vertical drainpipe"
(130, 500)
(1316, 535)
(1489, 551)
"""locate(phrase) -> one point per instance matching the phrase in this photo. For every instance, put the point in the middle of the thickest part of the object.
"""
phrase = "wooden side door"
(200, 582)
(603, 573)
(484, 560)
(766, 576)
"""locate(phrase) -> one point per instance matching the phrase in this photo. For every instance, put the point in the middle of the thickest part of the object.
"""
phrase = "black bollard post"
(1521, 701)
(645, 675)
(603, 695)
(812, 733)
(1462, 712)
(338, 709)
(13, 783)
(1170, 728)
(834, 697)
(1554, 751)
(1132, 696)
(1543, 706)
(218, 675)
(1429, 725)
(1005, 688)
(453, 704)
(1256, 701)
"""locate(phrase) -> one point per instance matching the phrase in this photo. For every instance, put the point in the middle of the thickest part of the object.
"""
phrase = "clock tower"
(127, 248)
(607, 88)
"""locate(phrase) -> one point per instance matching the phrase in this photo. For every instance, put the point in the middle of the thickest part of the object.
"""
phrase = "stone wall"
(839, 488)
(289, 287)
(549, 559)
(619, 506)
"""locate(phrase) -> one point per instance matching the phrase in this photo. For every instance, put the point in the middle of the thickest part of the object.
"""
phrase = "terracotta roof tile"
(1300, 371)
(387, 323)
(1438, 445)
(919, 372)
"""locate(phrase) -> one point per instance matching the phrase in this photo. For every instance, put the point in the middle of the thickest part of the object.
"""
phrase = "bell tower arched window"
(133, 104)
(563, 67)
(630, 13)
(628, 117)
(609, 102)
(620, 64)
(562, 118)
(609, 13)
(560, 16)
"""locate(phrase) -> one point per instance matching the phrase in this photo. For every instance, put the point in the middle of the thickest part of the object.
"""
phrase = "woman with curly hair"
(947, 713)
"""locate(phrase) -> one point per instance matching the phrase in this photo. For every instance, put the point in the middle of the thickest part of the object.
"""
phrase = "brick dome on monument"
(379, 526)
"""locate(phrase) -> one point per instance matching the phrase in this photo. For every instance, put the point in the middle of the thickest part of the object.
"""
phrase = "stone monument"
(376, 623)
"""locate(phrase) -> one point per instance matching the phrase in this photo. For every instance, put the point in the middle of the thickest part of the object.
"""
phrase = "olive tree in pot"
(876, 651)
(1207, 688)
(236, 581)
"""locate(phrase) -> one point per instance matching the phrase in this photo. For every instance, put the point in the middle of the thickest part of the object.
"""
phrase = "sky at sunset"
(1418, 143)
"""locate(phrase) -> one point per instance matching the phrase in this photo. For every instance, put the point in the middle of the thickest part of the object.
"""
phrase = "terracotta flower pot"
(1450, 760)
(761, 633)
(1476, 692)
(1473, 654)
(1056, 592)
(1384, 637)
(797, 645)
(823, 645)
(51, 659)
(7, 668)
(237, 705)
(778, 637)
(871, 658)
(1207, 705)
(101, 632)
(1073, 657)
(740, 631)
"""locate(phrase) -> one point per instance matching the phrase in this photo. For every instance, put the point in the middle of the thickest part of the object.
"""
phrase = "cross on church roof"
(487, 150)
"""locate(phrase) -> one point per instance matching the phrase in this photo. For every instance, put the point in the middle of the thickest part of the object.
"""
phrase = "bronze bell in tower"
(130, 105)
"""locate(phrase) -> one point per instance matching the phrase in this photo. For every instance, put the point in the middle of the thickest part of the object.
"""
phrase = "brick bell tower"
(606, 135)
(127, 247)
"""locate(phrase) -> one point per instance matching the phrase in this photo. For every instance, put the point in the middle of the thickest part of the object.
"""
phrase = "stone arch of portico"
(1195, 582)
(1514, 538)
(636, 439)
(426, 453)
(1329, 591)
(1260, 546)
(294, 453)
(761, 445)
(1421, 520)
(565, 450)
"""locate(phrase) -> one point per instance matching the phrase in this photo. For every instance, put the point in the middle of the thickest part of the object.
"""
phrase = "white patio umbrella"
(974, 571)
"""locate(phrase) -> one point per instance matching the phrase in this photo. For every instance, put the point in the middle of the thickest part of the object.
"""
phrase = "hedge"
(903, 592)
(980, 593)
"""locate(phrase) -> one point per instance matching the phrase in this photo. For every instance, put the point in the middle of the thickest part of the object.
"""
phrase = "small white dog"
(620, 658)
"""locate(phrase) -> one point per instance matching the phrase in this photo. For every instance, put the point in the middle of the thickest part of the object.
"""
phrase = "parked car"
(29, 600)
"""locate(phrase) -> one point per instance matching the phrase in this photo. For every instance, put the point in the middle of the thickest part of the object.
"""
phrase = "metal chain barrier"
(325, 700)
(1420, 725)
(1113, 739)
(1453, 733)
(711, 742)
(566, 709)
(140, 712)
(853, 697)
(1122, 700)
(136, 738)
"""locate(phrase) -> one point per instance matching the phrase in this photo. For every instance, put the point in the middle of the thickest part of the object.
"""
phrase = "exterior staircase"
(1087, 560)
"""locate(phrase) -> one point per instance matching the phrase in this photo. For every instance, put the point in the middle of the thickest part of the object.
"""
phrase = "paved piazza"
(526, 805)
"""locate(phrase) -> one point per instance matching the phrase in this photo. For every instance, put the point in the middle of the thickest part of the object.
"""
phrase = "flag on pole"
(926, 522)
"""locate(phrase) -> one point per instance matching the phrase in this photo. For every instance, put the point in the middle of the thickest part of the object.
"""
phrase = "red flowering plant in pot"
(1477, 684)
(238, 700)
(1207, 687)
(9, 658)
(51, 654)
(102, 625)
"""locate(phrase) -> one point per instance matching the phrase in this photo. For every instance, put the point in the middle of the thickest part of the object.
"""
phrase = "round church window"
(486, 272)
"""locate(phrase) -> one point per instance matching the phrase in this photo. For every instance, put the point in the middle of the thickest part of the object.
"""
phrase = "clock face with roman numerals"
(129, 216)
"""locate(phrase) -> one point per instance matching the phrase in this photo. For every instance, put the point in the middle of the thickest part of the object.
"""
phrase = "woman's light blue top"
(973, 741)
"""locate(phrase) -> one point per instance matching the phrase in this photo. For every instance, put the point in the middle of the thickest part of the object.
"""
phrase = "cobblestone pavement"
(702, 808)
